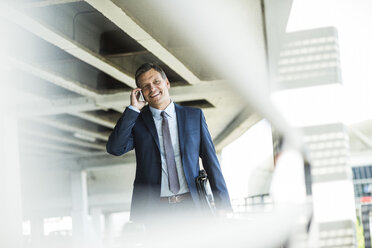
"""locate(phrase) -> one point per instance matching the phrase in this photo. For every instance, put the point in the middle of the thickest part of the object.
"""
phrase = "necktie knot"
(163, 114)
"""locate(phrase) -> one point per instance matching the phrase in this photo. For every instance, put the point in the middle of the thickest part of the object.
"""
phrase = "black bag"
(205, 193)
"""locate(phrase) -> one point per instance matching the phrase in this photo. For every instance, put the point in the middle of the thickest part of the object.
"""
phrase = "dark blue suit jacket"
(138, 131)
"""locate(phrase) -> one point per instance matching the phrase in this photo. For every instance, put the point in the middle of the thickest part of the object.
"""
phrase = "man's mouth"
(155, 95)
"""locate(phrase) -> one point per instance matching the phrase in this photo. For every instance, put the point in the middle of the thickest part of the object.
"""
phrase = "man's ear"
(168, 84)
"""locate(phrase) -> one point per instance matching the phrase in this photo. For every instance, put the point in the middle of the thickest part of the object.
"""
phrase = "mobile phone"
(140, 96)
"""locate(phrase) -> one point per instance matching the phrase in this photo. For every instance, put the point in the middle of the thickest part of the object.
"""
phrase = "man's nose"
(152, 86)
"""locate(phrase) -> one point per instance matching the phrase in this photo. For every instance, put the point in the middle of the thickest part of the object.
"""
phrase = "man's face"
(154, 89)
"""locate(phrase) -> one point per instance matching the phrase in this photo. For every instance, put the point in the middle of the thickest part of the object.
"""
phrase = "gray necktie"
(174, 184)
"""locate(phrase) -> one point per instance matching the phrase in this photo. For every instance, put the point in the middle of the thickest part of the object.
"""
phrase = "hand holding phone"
(140, 96)
(136, 99)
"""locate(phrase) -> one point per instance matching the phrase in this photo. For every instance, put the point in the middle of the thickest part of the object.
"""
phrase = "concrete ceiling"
(77, 68)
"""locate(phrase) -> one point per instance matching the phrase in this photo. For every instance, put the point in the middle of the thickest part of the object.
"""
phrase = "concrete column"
(37, 230)
(79, 210)
(97, 222)
(10, 183)
(109, 236)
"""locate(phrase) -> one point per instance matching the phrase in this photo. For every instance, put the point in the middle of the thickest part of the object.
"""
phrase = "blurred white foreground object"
(288, 183)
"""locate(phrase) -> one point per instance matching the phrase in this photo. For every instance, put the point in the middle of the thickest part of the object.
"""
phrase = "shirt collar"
(169, 110)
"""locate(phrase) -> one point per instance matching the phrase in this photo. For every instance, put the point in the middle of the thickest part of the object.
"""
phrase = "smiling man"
(168, 140)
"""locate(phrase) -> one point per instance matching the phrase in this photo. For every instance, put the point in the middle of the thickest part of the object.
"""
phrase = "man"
(168, 140)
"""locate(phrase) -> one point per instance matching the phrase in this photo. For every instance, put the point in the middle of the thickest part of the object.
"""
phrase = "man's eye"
(157, 81)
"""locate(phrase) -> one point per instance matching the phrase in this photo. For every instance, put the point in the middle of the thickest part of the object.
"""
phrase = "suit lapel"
(181, 120)
(150, 124)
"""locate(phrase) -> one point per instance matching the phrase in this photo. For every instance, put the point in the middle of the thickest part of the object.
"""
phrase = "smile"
(155, 95)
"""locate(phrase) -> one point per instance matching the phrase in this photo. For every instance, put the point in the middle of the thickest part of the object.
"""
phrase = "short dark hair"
(146, 67)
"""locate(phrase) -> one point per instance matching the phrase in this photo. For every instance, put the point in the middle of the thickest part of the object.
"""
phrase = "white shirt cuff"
(134, 108)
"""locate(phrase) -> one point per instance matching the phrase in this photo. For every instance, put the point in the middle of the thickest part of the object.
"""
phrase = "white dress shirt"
(173, 129)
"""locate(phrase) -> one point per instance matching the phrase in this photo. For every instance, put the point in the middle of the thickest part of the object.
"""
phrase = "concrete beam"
(70, 46)
(94, 161)
(68, 84)
(56, 147)
(127, 54)
(28, 153)
(45, 3)
(44, 159)
(106, 161)
(71, 128)
(119, 17)
(65, 83)
(203, 90)
(54, 78)
(241, 123)
(118, 101)
(50, 106)
(58, 138)
(95, 119)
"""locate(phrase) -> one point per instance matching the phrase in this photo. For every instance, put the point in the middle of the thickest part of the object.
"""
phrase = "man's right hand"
(134, 99)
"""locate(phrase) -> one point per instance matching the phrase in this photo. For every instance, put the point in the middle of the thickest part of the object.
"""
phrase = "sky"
(247, 162)
(353, 21)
